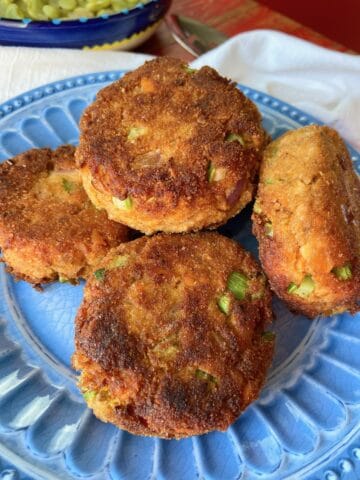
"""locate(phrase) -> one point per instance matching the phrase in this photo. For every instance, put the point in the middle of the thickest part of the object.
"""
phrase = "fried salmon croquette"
(168, 148)
(170, 336)
(307, 221)
(49, 229)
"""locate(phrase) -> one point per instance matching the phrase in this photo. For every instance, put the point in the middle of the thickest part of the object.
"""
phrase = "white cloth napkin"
(319, 81)
(322, 82)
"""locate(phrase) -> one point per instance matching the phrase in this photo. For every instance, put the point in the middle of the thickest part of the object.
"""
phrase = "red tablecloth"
(232, 17)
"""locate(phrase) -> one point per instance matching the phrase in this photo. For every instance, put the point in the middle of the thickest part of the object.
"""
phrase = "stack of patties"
(170, 337)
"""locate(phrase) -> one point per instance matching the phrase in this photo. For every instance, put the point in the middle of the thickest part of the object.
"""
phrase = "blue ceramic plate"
(306, 424)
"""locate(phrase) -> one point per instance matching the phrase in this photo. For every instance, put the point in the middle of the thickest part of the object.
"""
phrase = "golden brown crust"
(310, 194)
(48, 226)
(153, 344)
(181, 122)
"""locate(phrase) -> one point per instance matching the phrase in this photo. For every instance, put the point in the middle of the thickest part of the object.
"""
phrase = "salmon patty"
(49, 229)
(170, 336)
(168, 148)
(307, 221)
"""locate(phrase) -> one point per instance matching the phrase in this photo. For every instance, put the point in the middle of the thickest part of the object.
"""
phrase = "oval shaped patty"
(307, 221)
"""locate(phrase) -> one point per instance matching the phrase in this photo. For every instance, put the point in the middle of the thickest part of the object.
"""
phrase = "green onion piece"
(235, 137)
(68, 186)
(170, 351)
(205, 376)
(119, 261)
(224, 304)
(306, 287)
(100, 274)
(136, 132)
(291, 288)
(237, 284)
(269, 181)
(268, 228)
(189, 69)
(342, 273)
(257, 209)
(268, 336)
(211, 172)
(89, 395)
(123, 204)
(63, 279)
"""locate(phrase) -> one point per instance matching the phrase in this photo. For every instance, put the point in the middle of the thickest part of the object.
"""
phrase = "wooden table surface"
(230, 17)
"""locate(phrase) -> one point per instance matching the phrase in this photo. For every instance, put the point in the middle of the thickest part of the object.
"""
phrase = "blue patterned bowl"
(124, 30)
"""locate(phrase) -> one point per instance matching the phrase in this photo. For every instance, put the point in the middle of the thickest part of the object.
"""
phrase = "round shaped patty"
(307, 221)
(48, 226)
(168, 148)
(170, 335)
